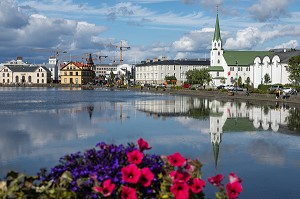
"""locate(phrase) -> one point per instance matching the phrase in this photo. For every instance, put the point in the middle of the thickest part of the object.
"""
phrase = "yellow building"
(77, 73)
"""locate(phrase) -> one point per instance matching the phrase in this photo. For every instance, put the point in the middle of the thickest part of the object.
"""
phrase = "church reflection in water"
(232, 116)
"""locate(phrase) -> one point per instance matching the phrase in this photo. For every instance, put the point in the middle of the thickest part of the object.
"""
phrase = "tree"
(294, 69)
(111, 77)
(267, 78)
(198, 77)
(247, 81)
(171, 79)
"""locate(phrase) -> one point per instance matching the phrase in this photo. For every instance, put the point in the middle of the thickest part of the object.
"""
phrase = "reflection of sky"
(32, 138)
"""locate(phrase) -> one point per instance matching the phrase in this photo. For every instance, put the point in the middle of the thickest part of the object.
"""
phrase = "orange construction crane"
(121, 51)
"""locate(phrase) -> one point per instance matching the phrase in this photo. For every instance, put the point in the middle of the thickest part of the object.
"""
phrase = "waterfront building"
(16, 74)
(78, 72)
(154, 71)
(52, 65)
(251, 65)
(102, 69)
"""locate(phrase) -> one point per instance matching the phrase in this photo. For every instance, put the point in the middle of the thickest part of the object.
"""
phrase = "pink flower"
(106, 189)
(180, 190)
(234, 189)
(135, 157)
(146, 177)
(177, 176)
(176, 159)
(197, 185)
(216, 180)
(143, 145)
(128, 193)
(234, 178)
(131, 173)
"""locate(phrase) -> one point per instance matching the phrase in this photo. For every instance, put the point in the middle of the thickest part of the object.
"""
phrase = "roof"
(215, 68)
(217, 34)
(26, 68)
(238, 125)
(176, 62)
(243, 58)
(285, 56)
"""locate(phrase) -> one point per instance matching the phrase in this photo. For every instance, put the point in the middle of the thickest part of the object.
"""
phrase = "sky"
(175, 29)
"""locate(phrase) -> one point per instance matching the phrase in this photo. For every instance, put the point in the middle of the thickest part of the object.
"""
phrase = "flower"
(180, 190)
(197, 185)
(178, 176)
(106, 189)
(128, 193)
(146, 177)
(233, 189)
(135, 157)
(143, 145)
(216, 180)
(176, 159)
(234, 178)
(131, 173)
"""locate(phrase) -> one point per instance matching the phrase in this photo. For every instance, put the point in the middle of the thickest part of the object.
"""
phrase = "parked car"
(220, 87)
(186, 85)
(275, 87)
(290, 91)
(235, 89)
(228, 87)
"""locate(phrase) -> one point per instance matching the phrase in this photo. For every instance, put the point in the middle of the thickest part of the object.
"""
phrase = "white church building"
(232, 65)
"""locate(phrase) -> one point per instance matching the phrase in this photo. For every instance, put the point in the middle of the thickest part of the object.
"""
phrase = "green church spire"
(217, 35)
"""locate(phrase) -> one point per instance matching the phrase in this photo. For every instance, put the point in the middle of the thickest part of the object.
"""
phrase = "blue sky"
(152, 28)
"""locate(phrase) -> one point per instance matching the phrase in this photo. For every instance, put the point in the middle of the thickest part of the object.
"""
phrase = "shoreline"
(253, 98)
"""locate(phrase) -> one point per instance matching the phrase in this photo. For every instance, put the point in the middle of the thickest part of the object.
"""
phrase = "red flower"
(106, 189)
(234, 178)
(197, 185)
(176, 159)
(234, 189)
(128, 193)
(180, 190)
(146, 177)
(216, 180)
(143, 145)
(135, 157)
(177, 176)
(131, 174)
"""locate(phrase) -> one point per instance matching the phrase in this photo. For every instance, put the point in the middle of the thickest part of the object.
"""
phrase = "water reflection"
(225, 135)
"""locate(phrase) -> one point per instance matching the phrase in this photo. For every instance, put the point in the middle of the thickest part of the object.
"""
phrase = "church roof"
(217, 34)
(215, 68)
(243, 58)
(285, 56)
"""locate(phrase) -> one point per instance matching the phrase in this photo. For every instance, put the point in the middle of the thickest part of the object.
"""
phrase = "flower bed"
(111, 171)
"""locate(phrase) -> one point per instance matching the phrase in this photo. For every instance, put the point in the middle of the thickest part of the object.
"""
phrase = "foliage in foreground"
(111, 171)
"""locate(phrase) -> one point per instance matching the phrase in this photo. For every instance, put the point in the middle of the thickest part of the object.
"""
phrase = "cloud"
(265, 10)
(252, 37)
(11, 16)
(290, 44)
(194, 40)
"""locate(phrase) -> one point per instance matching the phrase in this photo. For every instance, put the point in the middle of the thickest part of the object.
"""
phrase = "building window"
(174, 67)
(218, 61)
(65, 80)
(3, 80)
(37, 81)
(37, 74)
(7, 75)
(217, 73)
(218, 52)
(3, 75)
(17, 79)
(65, 73)
(29, 79)
(42, 80)
(76, 73)
(42, 74)
(7, 80)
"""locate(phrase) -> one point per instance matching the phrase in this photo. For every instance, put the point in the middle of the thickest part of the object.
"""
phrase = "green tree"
(239, 83)
(111, 77)
(267, 78)
(247, 81)
(201, 77)
(171, 79)
(294, 69)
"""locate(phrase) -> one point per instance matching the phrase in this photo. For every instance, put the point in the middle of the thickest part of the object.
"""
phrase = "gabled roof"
(215, 68)
(243, 58)
(217, 34)
(285, 56)
(23, 68)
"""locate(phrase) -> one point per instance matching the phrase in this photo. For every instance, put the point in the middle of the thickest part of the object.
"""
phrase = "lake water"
(260, 144)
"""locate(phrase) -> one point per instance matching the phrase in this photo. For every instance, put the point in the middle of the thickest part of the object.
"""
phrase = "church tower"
(216, 46)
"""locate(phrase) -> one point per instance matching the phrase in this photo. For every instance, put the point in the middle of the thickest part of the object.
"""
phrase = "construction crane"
(121, 51)
(57, 52)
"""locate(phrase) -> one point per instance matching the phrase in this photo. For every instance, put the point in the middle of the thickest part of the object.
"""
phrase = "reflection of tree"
(266, 110)
(294, 120)
(200, 112)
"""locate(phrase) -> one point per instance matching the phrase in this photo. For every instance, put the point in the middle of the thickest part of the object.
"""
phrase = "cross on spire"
(217, 8)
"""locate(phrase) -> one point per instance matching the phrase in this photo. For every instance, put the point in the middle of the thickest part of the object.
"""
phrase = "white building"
(24, 75)
(234, 65)
(155, 71)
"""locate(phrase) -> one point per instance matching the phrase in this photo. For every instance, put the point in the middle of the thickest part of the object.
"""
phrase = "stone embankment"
(253, 98)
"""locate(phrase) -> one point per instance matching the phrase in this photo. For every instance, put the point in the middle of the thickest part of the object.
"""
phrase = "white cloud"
(10, 15)
(290, 44)
(269, 9)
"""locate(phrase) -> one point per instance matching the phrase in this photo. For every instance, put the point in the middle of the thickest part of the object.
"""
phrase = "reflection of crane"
(57, 52)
